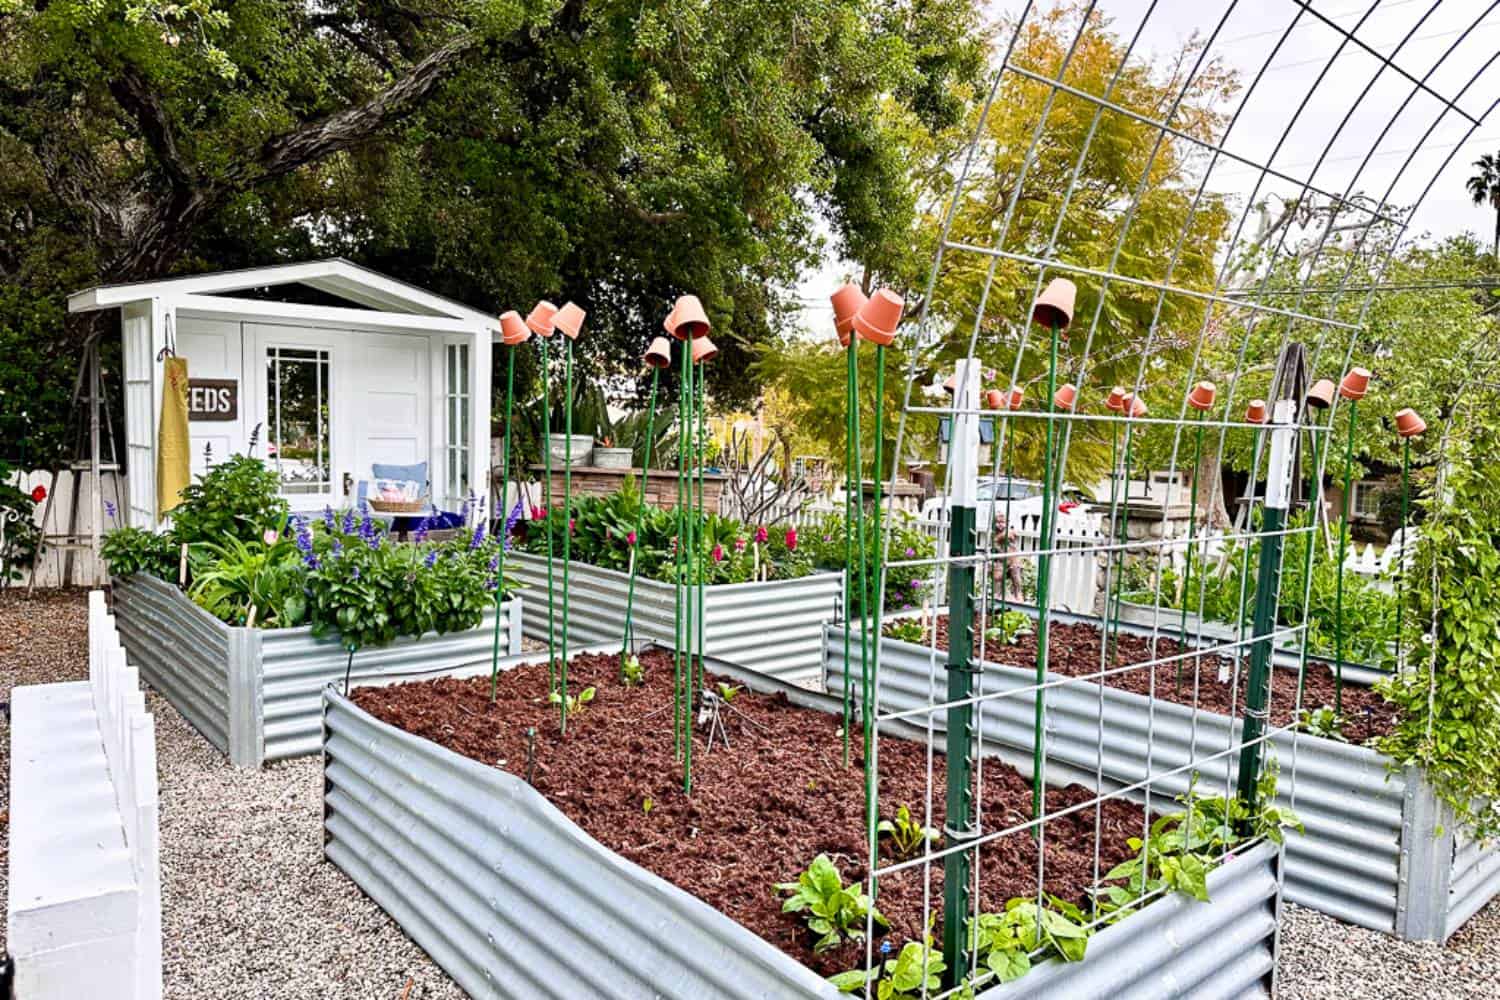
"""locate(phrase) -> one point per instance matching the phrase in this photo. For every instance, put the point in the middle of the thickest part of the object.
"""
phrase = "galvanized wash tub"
(774, 628)
(256, 693)
(512, 899)
(1379, 850)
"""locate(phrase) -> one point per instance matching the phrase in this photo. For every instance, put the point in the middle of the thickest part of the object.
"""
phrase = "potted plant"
(608, 456)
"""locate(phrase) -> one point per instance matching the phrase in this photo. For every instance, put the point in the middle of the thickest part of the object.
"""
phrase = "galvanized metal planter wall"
(256, 693)
(1369, 853)
(773, 628)
(1177, 946)
(506, 893)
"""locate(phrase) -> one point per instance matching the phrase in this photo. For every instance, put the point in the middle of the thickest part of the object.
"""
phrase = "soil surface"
(1073, 650)
(760, 811)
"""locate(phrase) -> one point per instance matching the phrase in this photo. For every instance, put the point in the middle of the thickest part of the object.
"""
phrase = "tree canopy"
(498, 151)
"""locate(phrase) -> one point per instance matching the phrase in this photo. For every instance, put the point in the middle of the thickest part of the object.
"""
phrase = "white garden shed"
(398, 376)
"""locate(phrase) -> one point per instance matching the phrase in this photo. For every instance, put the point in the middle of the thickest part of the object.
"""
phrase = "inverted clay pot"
(1116, 400)
(569, 320)
(670, 323)
(659, 354)
(878, 318)
(1355, 384)
(994, 399)
(1065, 397)
(1202, 396)
(1255, 413)
(1017, 397)
(691, 320)
(539, 320)
(513, 329)
(950, 384)
(1135, 406)
(847, 301)
(703, 350)
(1320, 396)
(1409, 423)
(1054, 307)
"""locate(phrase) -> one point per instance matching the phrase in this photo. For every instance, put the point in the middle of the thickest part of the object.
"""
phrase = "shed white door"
(212, 349)
(391, 400)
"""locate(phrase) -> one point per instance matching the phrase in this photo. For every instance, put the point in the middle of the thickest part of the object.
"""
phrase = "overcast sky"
(1274, 127)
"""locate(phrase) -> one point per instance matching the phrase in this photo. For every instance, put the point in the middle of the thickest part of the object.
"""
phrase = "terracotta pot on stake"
(877, 322)
(539, 322)
(1353, 386)
(688, 321)
(658, 356)
(847, 301)
(569, 322)
(1408, 425)
(513, 333)
(1201, 399)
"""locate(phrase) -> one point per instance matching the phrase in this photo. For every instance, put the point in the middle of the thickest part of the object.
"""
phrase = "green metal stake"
(1187, 572)
(684, 414)
(562, 703)
(1267, 589)
(688, 545)
(864, 576)
(1122, 532)
(547, 499)
(510, 384)
(702, 527)
(849, 404)
(1401, 552)
(1043, 586)
(640, 524)
(1338, 605)
(1315, 501)
(873, 602)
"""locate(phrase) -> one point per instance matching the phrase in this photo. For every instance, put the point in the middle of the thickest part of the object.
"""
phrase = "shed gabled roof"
(335, 276)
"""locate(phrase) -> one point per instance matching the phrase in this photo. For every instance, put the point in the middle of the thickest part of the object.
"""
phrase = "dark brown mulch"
(1073, 650)
(759, 812)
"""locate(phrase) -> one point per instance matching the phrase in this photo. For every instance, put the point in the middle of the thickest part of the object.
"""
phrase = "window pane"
(298, 404)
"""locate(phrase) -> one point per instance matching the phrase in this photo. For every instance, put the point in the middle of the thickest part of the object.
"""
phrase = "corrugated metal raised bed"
(774, 628)
(1370, 855)
(256, 693)
(505, 893)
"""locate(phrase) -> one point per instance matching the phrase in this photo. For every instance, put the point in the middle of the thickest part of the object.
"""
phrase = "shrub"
(905, 586)
(23, 538)
(238, 498)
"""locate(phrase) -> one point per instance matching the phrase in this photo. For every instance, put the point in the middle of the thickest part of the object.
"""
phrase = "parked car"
(1025, 500)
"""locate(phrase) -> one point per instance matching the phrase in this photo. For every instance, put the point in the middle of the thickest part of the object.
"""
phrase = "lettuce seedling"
(833, 911)
(907, 835)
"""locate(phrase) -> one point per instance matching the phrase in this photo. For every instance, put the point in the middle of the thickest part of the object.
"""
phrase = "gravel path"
(251, 911)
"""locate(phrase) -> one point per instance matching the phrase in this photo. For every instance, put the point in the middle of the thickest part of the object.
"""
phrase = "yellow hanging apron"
(172, 443)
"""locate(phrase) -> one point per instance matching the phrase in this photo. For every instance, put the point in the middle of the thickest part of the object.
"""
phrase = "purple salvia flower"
(368, 533)
(431, 559)
(356, 573)
(328, 519)
(423, 526)
(478, 538)
(349, 521)
(510, 522)
(109, 509)
(338, 547)
(495, 563)
(304, 539)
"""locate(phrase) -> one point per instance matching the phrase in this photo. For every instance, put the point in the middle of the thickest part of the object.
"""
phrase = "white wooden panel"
(140, 423)
(392, 406)
(212, 350)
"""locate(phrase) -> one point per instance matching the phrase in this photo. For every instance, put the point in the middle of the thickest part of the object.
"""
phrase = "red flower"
(1067, 506)
(39, 494)
(791, 538)
(630, 538)
(537, 513)
(718, 553)
(739, 545)
(572, 523)
(760, 535)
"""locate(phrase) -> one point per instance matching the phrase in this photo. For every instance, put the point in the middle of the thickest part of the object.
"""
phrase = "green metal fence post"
(640, 524)
(510, 384)
(1043, 584)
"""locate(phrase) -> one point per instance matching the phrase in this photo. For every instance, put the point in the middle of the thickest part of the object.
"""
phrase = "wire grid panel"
(1213, 286)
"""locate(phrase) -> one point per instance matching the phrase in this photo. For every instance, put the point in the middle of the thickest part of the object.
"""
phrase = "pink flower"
(760, 535)
(739, 545)
(269, 537)
(718, 553)
(537, 513)
(630, 538)
(791, 538)
(572, 523)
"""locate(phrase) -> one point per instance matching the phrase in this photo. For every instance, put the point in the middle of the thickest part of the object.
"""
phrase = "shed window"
(298, 436)
(456, 392)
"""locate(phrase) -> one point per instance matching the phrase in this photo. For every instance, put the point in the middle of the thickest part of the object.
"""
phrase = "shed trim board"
(385, 373)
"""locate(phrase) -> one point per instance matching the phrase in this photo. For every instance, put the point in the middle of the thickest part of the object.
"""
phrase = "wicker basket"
(398, 506)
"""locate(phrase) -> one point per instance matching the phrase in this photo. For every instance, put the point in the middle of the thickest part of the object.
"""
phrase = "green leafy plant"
(23, 537)
(238, 498)
(647, 805)
(906, 834)
(135, 550)
(1006, 943)
(833, 911)
(576, 702)
(1009, 627)
(917, 970)
(1323, 721)
(631, 671)
(905, 586)
(238, 576)
(906, 629)
(727, 691)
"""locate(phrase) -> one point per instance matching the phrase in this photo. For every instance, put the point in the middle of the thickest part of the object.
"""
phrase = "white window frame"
(457, 425)
(270, 416)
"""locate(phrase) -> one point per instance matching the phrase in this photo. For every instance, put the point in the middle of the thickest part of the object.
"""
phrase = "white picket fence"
(1074, 574)
(52, 566)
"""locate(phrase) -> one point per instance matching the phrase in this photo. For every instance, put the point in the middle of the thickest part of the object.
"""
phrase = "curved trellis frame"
(1304, 309)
